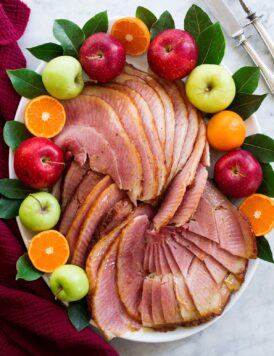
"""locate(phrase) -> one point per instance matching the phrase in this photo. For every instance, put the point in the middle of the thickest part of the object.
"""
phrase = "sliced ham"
(151, 97)
(73, 178)
(168, 109)
(206, 156)
(146, 257)
(107, 310)
(181, 257)
(181, 124)
(121, 210)
(191, 199)
(106, 200)
(157, 308)
(146, 302)
(86, 111)
(129, 117)
(236, 265)
(151, 260)
(203, 221)
(150, 130)
(208, 297)
(165, 268)
(176, 191)
(74, 229)
(188, 310)
(130, 272)
(158, 267)
(98, 253)
(192, 129)
(56, 190)
(169, 302)
(88, 183)
(234, 232)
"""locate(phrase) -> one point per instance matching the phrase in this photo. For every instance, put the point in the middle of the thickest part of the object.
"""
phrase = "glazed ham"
(129, 117)
(85, 111)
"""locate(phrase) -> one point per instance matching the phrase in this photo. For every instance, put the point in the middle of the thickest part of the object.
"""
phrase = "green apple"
(69, 283)
(210, 88)
(39, 211)
(62, 77)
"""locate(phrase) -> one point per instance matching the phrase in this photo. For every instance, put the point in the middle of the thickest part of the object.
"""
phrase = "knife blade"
(222, 12)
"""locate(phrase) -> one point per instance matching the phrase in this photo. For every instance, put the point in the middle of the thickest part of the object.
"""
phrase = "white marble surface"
(248, 329)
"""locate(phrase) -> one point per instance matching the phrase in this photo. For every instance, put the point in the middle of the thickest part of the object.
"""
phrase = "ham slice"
(86, 111)
(191, 199)
(56, 190)
(236, 265)
(130, 272)
(151, 97)
(169, 302)
(192, 129)
(146, 302)
(234, 232)
(176, 191)
(88, 183)
(81, 141)
(206, 156)
(157, 308)
(168, 109)
(208, 297)
(107, 310)
(129, 117)
(188, 310)
(181, 124)
(150, 130)
(107, 199)
(76, 224)
(73, 178)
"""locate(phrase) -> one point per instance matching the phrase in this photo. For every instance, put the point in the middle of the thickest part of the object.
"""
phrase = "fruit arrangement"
(97, 197)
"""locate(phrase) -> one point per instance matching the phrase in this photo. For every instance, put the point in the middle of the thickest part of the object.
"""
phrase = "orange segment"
(259, 209)
(48, 250)
(133, 33)
(44, 116)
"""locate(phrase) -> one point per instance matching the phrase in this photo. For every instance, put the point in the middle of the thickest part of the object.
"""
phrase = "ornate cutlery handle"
(267, 74)
(265, 36)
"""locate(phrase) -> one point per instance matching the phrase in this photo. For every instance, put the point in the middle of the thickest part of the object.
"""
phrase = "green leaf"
(246, 104)
(14, 189)
(261, 146)
(146, 16)
(164, 22)
(246, 79)
(211, 45)
(264, 249)
(78, 314)
(27, 82)
(69, 35)
(9, 209)
(267, 186)
(46, 51)
(25, 269)
(98, 23)
(15, 133)
(196, 21)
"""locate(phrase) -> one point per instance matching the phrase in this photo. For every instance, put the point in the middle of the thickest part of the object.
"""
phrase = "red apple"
(238, 174)
(102, 56)
(38, 162)
(172, 54)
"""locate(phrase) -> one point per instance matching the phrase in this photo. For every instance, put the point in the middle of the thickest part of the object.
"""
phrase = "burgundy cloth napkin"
(31, 322)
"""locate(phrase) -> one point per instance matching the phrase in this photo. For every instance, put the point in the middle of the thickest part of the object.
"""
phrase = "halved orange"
(259, 209)
(44, 116)
(133, 33)
(48, 250)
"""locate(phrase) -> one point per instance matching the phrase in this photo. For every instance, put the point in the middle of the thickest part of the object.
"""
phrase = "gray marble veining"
(248, 329)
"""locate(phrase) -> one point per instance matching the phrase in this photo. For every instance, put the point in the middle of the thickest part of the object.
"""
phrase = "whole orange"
(226, 131)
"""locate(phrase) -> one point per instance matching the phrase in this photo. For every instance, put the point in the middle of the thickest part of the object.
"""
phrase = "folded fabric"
(31, 322)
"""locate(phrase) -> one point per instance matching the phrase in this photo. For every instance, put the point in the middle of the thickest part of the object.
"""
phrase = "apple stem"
(62, 163)
(38, 201)
(58, 291)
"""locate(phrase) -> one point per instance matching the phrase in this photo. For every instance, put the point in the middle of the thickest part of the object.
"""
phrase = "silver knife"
(256, 22)
(234, 29)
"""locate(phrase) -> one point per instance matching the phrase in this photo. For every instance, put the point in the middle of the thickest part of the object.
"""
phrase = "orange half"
(133, 33)
(259, 209)
(48, 250)
(45, 116)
